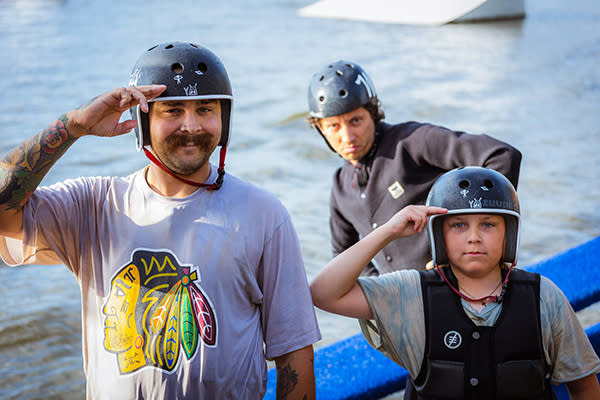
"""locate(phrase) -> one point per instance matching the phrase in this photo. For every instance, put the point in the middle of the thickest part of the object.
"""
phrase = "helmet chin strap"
(496, 299)
(208, 186)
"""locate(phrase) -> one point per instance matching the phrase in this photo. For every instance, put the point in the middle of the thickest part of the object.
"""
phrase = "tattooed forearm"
(22, 169)
(287, 379)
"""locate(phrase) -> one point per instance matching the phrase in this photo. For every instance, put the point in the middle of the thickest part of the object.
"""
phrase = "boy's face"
(184, 133)
(474, 242)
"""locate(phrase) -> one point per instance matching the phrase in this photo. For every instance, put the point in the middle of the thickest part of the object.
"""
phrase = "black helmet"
(339, 88)
(469, 190)
(190, 72)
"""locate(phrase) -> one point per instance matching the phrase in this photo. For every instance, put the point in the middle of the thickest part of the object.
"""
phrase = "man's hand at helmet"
(101, 115)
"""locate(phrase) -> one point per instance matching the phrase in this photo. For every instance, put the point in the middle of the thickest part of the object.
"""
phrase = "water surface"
(533, 83)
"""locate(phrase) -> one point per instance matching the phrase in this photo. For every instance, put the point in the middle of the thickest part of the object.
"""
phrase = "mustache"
(182, 139)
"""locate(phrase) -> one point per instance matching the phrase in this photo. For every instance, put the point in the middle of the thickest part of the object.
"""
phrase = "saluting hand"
(101, 116)
(411, 219)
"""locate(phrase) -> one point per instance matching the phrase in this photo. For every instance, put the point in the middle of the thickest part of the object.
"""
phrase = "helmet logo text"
(191, 90)
(492, 203)
(464, 192)
(178, 78)
(475, 203)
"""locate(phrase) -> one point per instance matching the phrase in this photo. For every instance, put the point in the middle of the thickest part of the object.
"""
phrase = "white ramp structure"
(416, 12)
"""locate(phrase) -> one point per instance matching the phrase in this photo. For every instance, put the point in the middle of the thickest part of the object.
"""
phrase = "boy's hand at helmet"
(102, 114)
(335, 289)
(410, 220)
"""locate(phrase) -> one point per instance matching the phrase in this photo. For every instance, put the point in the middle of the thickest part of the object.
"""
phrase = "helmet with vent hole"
(190, 72)
(469, 190)
(339, 88)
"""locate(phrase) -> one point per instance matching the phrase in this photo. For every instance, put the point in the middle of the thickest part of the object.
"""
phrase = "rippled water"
(534, 83)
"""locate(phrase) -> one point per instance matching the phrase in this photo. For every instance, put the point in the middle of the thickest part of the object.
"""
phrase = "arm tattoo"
(22, 169)
(287, 379)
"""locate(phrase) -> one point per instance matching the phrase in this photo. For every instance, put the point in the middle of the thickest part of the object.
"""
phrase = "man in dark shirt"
(387, 167)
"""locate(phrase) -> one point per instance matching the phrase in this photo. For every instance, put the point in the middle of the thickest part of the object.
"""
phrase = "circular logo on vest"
(452, 339)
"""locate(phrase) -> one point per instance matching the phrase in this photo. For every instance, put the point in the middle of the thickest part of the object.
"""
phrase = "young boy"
(473, 327)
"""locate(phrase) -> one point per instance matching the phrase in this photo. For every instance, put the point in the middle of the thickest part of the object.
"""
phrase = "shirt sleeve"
(566, 345)
(449, 149)
(289, 319)
(397, 304)
(51, 232)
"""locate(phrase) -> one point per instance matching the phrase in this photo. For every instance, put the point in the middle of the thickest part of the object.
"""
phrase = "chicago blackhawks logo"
(155, 311)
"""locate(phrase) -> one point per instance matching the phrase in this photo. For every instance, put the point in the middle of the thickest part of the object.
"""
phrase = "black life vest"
(466, 361)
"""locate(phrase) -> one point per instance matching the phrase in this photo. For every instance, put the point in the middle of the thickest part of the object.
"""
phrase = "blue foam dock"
(575, 272)
(351, 369)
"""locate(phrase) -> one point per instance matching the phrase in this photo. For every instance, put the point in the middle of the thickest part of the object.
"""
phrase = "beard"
(167, 153)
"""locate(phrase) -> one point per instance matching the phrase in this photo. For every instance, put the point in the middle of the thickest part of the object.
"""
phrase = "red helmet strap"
(209, 186)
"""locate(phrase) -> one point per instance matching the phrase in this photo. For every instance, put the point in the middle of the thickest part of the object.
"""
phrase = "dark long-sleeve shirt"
(409, 157)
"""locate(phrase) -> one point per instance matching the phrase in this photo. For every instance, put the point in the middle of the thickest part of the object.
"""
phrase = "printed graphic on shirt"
(155, 311)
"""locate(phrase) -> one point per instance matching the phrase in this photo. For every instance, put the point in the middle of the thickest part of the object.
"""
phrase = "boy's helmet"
(190, 72)
(339, 88)
(470, 190)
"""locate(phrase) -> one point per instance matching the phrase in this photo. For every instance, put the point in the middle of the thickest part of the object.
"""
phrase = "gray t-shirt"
(181, 297)
(399, 332)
